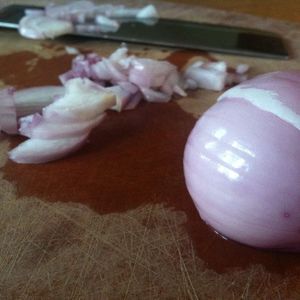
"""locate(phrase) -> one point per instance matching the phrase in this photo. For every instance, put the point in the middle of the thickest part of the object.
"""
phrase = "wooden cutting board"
(114, 220)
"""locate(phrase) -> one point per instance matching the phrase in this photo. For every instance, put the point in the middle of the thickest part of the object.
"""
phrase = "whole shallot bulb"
(242, 162)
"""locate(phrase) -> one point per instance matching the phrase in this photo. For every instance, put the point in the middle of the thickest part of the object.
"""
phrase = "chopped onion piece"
(83, 100)
(65, 124)
(127, 96)
(147, 72)
(37, 151)
(72, 50)
(34, 12)
(213, 75)
(41, 27)
(148, 11)
(156, 80)
(35, 126)
(71, 11)
(58, 119)
(107, 22)
(123, 12)
(79, 16)
(32, 100)
(8, 115)
(155, 96)
(209, 76)
(242, 69)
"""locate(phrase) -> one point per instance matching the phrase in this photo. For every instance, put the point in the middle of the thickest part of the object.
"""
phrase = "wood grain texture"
(114, 220)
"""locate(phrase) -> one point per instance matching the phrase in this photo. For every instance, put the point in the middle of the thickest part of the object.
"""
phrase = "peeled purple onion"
(242, 163)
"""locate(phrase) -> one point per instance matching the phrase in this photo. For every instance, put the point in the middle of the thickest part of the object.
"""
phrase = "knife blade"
(178, 34)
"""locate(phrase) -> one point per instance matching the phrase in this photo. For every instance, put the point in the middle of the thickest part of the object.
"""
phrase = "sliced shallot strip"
(35, 126)
(146, 72)
(65, 124)
(156, 80)
(33, 100)
(127, 96)
(37, 151)
(42, 27)
(105, 21)
(14, 104)
(213, 75)
(73, 11)
(8, 116)
(83, 100)
(34, 12)
(154, 96)
(148, 11)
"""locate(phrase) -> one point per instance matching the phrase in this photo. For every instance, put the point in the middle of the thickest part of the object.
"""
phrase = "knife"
(179, 34)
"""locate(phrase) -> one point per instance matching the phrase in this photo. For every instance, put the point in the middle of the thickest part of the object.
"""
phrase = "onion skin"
(242, 164)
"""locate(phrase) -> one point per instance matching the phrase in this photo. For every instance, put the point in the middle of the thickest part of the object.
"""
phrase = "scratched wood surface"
(114, 220)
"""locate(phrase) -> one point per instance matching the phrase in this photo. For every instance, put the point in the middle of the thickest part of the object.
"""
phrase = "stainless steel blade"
(179, 34)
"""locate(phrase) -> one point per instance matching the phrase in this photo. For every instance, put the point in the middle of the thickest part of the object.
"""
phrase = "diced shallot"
(213, 75)
(58, 119)
(35, 126)
(32, 100)
(36, 151)
(72, 50)
(8, 115)
(105, 21)
(15, 104)
(42, 27)
(156, 80)
(155, 96)
(34, 12)
(65, 124)
(78, 16)
(83, 101)
(148, 11)
(73, 11)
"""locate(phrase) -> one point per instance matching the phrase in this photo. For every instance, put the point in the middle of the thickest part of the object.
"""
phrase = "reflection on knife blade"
(177, 33)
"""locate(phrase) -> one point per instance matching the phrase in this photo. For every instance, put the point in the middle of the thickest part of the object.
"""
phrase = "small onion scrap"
(242, 163)
(77, 16)
(132, 78)
(61, 117)
(64, 125)
(213, 76)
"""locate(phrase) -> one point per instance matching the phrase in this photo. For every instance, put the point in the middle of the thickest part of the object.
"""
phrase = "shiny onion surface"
(242, 163)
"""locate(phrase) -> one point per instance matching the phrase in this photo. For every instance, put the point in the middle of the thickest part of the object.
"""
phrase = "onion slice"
(8, 115)
(83, 101)
(66, 114)
(32, 100)
(79, 16)
(129, 77)
(42, 27)
(64, 124)
(213, 75)
(35, 126)
(37, 151)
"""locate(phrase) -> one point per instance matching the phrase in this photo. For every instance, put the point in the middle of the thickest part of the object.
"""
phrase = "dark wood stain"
(131, 159)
